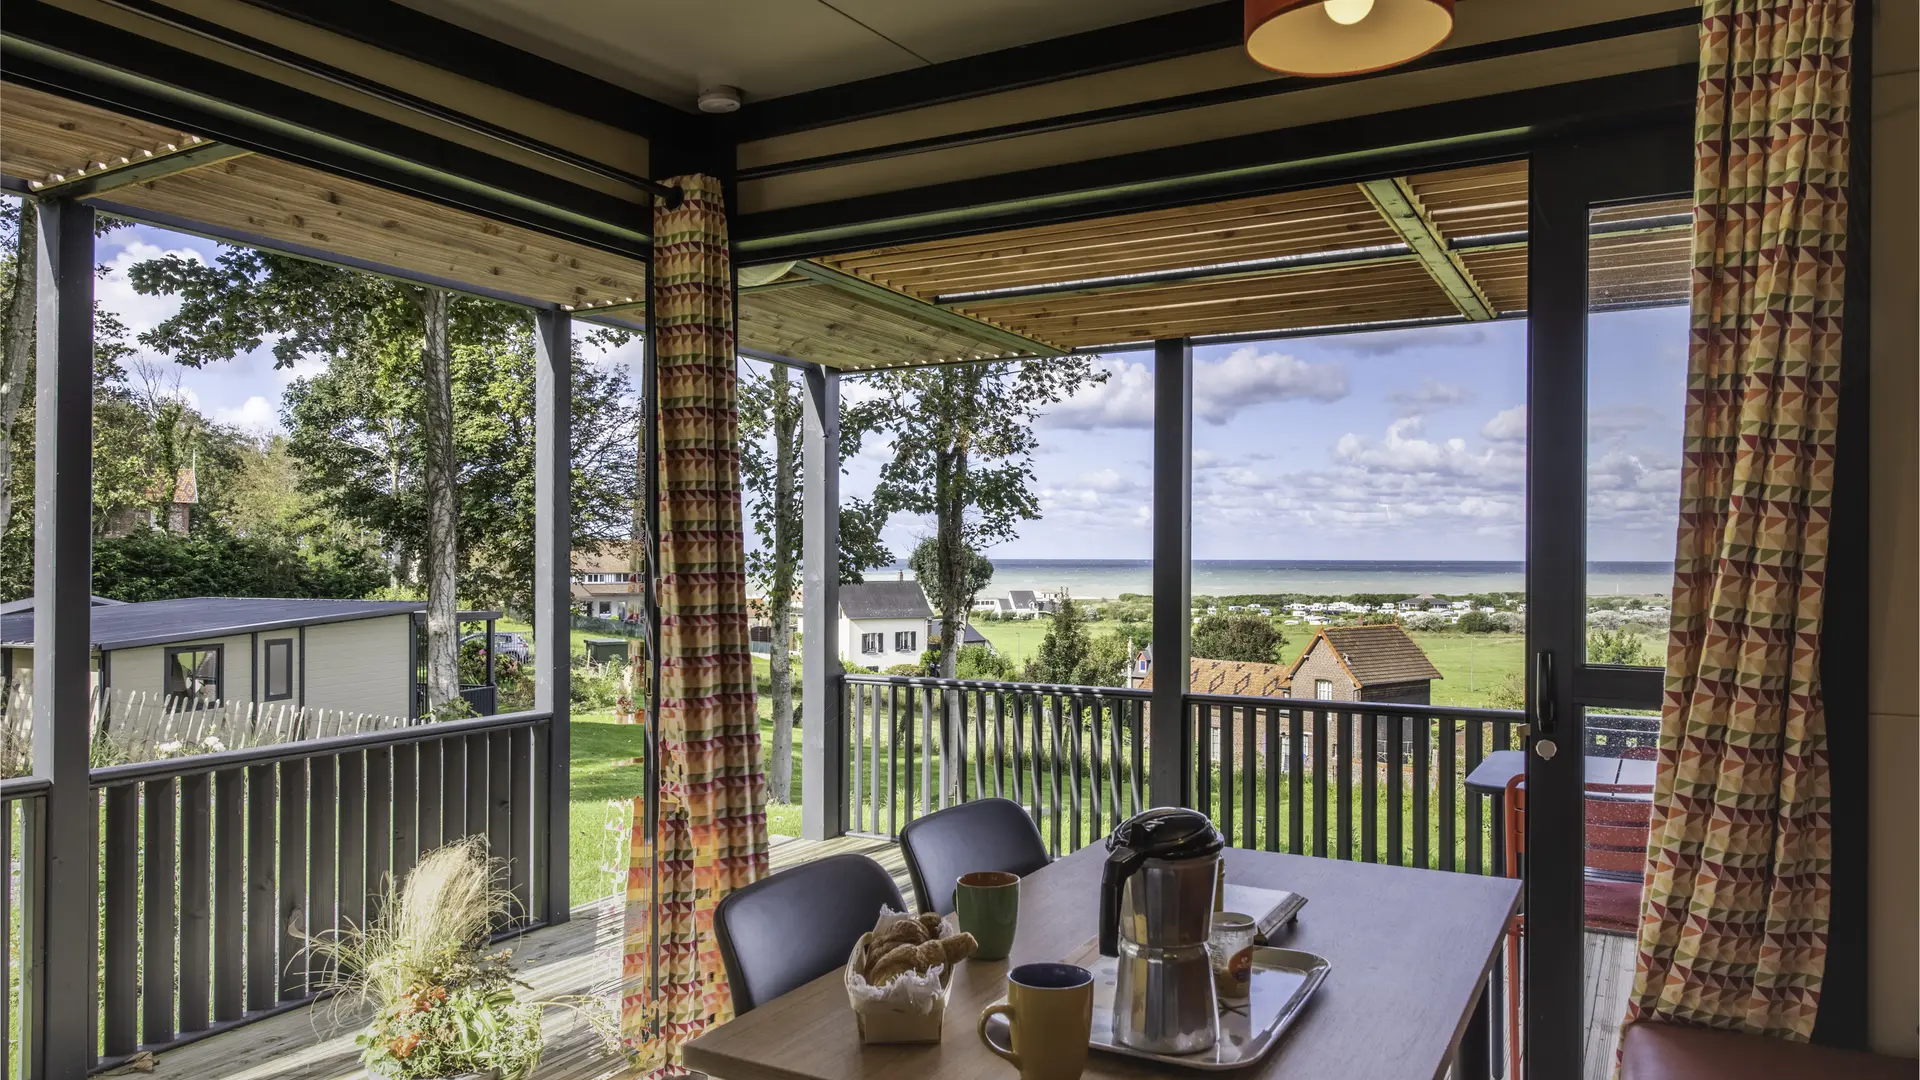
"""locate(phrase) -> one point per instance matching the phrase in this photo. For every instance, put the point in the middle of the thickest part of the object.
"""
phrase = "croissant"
(904, 932)
(931, 923)
(892, 964)
(923, 957)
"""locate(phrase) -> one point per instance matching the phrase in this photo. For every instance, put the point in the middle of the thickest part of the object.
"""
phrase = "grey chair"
(990, 834)
(785, 931)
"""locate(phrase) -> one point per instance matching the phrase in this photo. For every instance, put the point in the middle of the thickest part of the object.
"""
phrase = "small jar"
(1230, 951)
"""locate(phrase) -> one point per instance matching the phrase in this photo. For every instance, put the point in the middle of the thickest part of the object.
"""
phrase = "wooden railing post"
(552, 586)
(1172, 559)
(823, 725)
(58, 1000)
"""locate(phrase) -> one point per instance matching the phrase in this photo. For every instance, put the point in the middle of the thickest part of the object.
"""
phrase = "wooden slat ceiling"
(1077, 285)
(43, 136)
(828, 326)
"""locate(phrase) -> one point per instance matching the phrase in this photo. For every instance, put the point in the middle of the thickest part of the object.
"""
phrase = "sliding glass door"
(1609, 240)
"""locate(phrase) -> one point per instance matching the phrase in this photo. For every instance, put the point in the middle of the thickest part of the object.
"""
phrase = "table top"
(1492, 774)
(1409, 951)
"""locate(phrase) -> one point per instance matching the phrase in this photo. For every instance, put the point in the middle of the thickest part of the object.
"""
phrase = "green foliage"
(1621, 646)
(151, 564)
(1477, 622)
(905, 669)
(1509, 693)
(976, 571)
(981, 662)
(594, 686)
(1239, 636)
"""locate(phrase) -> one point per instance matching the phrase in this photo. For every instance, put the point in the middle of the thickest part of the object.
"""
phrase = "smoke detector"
(720, 99)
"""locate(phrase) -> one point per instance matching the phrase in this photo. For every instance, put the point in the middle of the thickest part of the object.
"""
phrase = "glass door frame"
(1567, 179)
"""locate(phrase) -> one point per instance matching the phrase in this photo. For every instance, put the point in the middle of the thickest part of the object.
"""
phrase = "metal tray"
(1283, 981)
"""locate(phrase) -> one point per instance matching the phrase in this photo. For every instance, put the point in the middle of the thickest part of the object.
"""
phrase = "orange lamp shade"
(1343, 37)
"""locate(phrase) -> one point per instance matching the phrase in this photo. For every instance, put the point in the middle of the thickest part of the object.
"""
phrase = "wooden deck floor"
(583, 957)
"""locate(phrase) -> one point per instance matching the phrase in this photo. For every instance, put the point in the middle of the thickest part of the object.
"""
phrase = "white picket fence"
(137, 725)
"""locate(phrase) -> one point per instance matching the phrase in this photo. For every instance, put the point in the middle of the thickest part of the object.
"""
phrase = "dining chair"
(785, 931)
(987, 834)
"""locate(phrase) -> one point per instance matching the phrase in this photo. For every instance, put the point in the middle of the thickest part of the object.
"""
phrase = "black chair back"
(990, 834)
(785, 931)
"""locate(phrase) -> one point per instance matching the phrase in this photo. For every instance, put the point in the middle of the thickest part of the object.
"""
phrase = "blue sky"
(1406, 444)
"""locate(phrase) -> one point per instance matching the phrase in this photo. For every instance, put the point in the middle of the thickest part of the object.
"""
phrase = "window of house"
(279, 669)
(606, 607)
(906, 641)
(872, 643)
(194, 672)
(1323, 689)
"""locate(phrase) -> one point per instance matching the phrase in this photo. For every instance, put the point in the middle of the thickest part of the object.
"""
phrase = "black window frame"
(266, 669)
(911, 637)
(219, 652)
(879, 642)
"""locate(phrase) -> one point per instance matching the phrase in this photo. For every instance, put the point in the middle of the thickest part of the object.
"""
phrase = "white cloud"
(1221, 389)
(255, 414)
(115, 293)
(1507, 425)
(1430, 393)
(1388, 342)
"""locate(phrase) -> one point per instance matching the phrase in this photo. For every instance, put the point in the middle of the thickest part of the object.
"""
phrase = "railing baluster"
(924, 699)
(1270, 723)
(539, 811)
(520, 848)
(1116, 763)
(1034, 758)
(893, 744)
(434, 827)
(1343, 816)
(1137, 775)
(1320, 782)
(1249, 780)
(380, 847)
(979, 699)
(453, 788)
(1095, 774)
(1052, 710)
(121, 970)
(1447, 776)
(499, 821)
(405, 808)
(157, 930)
(293, 877)
(479, 775)
(263, 970)
(323, 847)
(1369, 758)
(1202, 737)
(1000, 749)
(1472, 800)
(353, 840)
(1208, 714)
(196, 864)
(1071, 722)
(1396, 768)
(1421, 785)
(1296, 783)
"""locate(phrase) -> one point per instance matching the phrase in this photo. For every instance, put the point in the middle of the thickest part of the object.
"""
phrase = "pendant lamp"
(1343, 37)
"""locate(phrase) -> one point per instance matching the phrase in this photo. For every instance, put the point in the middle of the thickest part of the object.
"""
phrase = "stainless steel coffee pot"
(1156, 908)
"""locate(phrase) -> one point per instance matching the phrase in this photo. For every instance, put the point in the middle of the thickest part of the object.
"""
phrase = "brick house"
(1363, 663)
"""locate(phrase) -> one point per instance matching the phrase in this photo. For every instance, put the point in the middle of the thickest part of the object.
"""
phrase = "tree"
(1477, 622)
(17, 231)
(981, 662)
(1238, 636)
(1064, 650)
(1619, 646)
(925, 564)
(153, 564)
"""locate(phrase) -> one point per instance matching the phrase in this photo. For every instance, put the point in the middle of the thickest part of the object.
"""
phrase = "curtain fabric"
(711, 832)
(1733, 926)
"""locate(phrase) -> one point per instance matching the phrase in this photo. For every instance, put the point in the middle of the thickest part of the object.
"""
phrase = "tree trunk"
(955, 561)
(16, 352)
(442, 554)
(786, 449)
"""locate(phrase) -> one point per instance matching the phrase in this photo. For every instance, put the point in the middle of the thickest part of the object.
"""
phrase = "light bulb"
(1347, 12)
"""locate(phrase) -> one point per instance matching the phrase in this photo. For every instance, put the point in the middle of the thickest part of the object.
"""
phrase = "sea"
(1108, 578)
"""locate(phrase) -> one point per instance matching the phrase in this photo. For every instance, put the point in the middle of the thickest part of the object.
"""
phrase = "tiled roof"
(1240, 678)
(884, 600)
(604, 557)
(1377, 655)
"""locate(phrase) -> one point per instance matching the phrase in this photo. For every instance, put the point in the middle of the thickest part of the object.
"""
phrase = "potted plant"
(443, 1006)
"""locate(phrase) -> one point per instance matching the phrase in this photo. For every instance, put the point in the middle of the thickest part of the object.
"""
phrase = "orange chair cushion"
(1671, 1052)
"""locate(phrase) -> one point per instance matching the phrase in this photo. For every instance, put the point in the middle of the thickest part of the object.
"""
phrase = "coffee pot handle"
(1121, 863)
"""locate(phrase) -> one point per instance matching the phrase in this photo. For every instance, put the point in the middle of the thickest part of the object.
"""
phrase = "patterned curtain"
(711, 832)
(1733, 927)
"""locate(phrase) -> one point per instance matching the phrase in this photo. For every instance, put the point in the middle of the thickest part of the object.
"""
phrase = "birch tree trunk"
(16, 353)
(786, 542)
(442, 554)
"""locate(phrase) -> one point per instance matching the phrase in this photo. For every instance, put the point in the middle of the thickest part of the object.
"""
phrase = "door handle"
(1545, 707)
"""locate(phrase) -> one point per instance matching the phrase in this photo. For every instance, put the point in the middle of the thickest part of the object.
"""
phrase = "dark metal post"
(58, 997)
(552, 581)
(1172, 569)
(823, 741)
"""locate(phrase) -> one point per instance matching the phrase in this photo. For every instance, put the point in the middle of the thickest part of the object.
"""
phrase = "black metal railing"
(214, 871)
(1367, 781)
(1073, 755)
(22, 839)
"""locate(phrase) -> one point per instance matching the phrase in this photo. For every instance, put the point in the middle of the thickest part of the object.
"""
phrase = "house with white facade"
(604, 584)
(883, 623)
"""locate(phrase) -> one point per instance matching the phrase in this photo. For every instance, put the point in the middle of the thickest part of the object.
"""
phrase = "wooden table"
(1411, 951)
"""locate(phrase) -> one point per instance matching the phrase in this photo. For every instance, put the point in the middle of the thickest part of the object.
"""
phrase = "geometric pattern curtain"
(1733, 927)
(711, 831)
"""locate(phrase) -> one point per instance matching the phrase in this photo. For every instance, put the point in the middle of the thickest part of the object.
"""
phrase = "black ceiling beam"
(1163, 37)
(75, 57)
(1444, 134)
(415, 35)
(1249, 91)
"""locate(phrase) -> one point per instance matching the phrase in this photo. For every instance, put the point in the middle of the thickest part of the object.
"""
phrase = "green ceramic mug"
(988, 902)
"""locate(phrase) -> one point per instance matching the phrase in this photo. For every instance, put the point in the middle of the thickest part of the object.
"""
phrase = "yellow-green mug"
(1049, 1011)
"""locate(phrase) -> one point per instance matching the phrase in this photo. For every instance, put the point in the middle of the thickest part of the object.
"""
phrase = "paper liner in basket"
(911, 1007)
